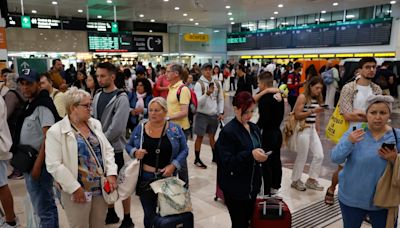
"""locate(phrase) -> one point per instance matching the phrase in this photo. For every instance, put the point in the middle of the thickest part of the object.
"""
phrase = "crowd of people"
(79, 124)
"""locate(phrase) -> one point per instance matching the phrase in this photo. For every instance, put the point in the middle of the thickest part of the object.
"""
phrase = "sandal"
(329, 200)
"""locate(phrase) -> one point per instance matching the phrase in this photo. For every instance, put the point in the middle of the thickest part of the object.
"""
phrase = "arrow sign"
(25, 65)
(158, 41)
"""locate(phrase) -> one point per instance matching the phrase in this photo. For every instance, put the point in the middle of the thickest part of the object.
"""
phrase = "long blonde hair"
(307, 90)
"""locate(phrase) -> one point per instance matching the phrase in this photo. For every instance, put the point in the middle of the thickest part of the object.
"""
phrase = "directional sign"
(25, 21)
(144, 43)
(39, 65)
(114, 27)
(190, 37)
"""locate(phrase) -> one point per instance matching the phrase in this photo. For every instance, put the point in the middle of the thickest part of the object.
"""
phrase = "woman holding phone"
(366, 150)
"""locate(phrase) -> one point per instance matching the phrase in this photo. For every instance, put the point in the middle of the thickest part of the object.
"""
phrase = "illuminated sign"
(190, 37)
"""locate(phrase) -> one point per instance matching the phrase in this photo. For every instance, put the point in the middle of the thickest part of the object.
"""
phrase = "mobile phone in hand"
(268, 153)
(389, 146)
(325, 106)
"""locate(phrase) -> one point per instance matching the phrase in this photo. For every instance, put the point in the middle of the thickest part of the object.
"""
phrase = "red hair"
(243, 101)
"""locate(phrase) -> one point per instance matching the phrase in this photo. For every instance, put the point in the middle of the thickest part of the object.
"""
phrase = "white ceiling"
(205, 12)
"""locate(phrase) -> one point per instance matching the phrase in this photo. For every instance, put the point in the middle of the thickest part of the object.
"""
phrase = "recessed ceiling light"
(230, 13)
(109, 1)
(196, 23)
(191, 19)
(176, 8)
(166, 0)
(150, 30)
(280, 5)
(54, 2)
(80, 11)
(232, 23)
(276, 12)
(231, 18)
(228, 7)
(185, 14)
(335, 4)
(99, 16)
(141, 15)
(392, 2)
(216, 31)
(323, 11)
(350, 16)
(272, 18)
(34, 11)
(152, 20)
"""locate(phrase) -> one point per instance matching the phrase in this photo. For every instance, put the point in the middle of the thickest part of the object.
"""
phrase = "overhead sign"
(3, 41)
(190, 37)
(25, 21)
(114, 27)
(99, 26)
(39, 65)
(103, 42)
(45, 23)
(144, 43)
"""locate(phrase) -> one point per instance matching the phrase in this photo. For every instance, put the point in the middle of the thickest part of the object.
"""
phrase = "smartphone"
(389, 146)
(325, 106)
(107, 187)
(354, 128)
(268, 153)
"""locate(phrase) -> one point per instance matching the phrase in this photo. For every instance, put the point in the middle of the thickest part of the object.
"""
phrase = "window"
(383, 11)
(249, 26)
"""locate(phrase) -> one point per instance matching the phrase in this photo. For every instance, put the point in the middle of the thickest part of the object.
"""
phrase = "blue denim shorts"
(3, 172)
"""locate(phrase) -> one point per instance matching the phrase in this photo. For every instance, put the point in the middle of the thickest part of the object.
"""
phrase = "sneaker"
(112, 217)
(16, 175)
(127, 223)
(314, 185)
(3, 223)
(200, 164)
(298, 185)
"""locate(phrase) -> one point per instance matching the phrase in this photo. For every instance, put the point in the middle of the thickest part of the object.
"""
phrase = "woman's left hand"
(112, 180)
(387, 154)
(168, 170)
(139, 111)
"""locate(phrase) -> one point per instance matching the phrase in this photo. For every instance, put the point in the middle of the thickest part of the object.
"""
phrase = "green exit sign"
(26, 22)
(238, 40)
(114, 27)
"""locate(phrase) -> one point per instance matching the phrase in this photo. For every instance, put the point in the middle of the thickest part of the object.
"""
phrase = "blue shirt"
(363, 169)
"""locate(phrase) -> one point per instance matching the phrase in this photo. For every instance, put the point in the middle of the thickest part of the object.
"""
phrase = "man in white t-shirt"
(352, 105)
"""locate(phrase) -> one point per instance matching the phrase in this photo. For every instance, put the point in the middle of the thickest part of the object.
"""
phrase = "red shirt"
(161, 82)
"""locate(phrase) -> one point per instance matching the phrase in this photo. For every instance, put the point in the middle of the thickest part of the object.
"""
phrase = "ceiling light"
(335, 4)
(323, 11)
(80, 11)
(34, 11)
(350, 16)
(228, 7)
(272, 18)
(54, 2)
(150, 30)
(185, 14)
(141, 15)
(392, 2)
(216, 31)
(201, 32)
(231, 18)
(176, 8)
(152, 20)
(109, 1)
(322, 19)
(166, 0)
(276, 12)
(99, 16)
(280, 5)
(230, 13)
(232, 23)
(196, 23)
(191, 19)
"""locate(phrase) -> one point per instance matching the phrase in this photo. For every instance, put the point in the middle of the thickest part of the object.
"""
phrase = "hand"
(139, 111)
(356, 136)
(259, 155)
(63, 87)
(278, 97)
(140, 153)
(220, 117)
(318, 109)
(79, 196)
(210, 90)
(133, 112)
(387, 154)
(36, 171)
(168, 170)
(361, 116)
(112, 180)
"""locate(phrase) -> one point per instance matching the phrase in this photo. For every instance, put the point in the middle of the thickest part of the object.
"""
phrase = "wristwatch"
(167, 118)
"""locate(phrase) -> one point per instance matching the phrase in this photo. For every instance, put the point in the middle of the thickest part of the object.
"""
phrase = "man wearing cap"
(40, 113)
(210, 110)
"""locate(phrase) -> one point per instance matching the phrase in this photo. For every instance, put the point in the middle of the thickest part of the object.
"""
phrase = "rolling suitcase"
(271, 212)
(184, 220)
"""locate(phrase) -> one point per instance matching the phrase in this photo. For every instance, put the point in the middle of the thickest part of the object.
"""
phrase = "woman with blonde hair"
(76, 152)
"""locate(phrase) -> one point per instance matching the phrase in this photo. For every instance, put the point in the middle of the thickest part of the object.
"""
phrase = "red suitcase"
(219, 194)
(271, 212)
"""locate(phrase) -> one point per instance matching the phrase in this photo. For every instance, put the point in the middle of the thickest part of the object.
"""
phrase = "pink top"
(161, 82)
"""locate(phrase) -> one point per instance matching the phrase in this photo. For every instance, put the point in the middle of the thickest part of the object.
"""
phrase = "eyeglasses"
(87, 106)
(373, 67)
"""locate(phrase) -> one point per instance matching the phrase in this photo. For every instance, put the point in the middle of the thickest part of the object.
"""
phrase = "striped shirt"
(311, 118)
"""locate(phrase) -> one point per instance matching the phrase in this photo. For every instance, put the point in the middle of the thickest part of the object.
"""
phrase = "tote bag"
(337, 126)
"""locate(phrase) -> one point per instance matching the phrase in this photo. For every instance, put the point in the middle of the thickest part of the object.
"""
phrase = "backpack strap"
(395, 135)
(178, 92)
(203, 87)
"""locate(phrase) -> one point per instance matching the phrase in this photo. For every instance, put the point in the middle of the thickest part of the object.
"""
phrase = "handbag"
(143, 186)
(173, 197)
(24, 157)
(128, 178)
(291, 128)
(337, 126)
(111, 197)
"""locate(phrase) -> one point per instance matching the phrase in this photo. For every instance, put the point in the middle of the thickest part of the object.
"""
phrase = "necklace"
(153, 129)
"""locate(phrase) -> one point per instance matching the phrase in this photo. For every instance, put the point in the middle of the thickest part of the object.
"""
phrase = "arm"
(121, 115)
(220, 99)
(134, 141)
(183, 150)
(258, 96)
(110, 168)
(184, 101)
(54, 162)
(343, 149)
(298, 108)
(201, 98)
(11, 101)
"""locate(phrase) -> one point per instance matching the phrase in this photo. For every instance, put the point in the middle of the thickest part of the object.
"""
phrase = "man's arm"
(37, 167)
(120, 119)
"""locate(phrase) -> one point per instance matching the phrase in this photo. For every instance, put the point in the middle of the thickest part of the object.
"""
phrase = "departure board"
(103, 42)
(353, 33)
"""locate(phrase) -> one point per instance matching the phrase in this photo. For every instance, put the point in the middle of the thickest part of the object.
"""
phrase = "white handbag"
(128, 178)
(173, 197)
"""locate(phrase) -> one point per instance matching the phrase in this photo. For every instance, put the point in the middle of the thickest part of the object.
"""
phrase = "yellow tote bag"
(336, 127)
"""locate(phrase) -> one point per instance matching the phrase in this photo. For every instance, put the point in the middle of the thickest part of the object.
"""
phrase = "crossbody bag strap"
(90, 149)
(395, 136)
(158, 150)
